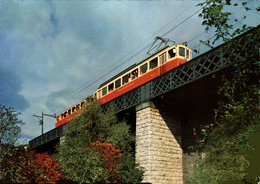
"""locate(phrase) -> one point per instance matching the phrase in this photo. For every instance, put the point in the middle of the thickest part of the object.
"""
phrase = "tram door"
(162, 61)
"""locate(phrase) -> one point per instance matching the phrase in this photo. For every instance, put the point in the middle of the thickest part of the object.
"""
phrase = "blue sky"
(50, 51)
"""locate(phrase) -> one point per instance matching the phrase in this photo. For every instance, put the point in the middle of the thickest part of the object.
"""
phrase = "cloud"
(55, 48)
(10, 88)
(52, 50)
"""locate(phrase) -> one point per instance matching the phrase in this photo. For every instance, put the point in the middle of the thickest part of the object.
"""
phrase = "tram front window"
(188, 54)
(182, 51)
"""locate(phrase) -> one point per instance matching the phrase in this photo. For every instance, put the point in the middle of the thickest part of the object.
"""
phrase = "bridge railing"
(48, 136)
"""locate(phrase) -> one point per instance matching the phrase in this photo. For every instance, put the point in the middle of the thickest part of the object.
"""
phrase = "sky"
(55, 53)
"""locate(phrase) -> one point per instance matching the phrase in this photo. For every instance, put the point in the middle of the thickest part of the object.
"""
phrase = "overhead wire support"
(41, 118)
(163, 40)
(204, 43)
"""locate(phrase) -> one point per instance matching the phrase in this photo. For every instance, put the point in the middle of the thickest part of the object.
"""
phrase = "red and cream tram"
(136, 75)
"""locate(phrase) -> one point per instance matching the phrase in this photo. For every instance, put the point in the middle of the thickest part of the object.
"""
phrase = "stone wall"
(158, 147)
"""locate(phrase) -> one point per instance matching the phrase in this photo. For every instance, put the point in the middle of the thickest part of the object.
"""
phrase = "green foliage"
(225, 143)
(10, 125)
(216, 14)
(136, 174)
(10, 130)
(81, 163)
(227, 152)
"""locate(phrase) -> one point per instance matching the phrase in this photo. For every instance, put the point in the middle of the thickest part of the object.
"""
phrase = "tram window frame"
(118, 83)
(110, 87)
(141, 68)
(172, 53)
(151, 65)
(182, 51)
(125, 79)
(104, 91)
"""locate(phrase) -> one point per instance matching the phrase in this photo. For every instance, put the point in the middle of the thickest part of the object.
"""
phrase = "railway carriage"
(136, 75)
(140, 73)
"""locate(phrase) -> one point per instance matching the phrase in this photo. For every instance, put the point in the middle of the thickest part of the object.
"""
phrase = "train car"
(136, 75)
(70, 113)
(140, 73)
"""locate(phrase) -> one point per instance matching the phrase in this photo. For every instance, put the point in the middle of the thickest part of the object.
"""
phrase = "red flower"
(227, 147)
(199, 153)
(210, 167)
(250, 99)
(194, 133)
(251, 105)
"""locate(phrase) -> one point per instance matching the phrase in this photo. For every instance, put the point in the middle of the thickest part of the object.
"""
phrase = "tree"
(216, 14)
(10, 129)
(93, 145)
(25, 166)
(10, 125)
(228, 154)
(108, 155)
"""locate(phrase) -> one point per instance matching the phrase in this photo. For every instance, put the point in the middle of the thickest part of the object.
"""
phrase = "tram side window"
(143, 69)
(82, 104)
(154, 63)
(188, 54)
(111, 87)
(118, 83)
(125, 79)
(134, 74)
(171, 53)
(182, 51)
(104, 91)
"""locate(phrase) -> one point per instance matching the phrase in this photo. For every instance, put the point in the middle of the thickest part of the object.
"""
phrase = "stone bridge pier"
(158, 144)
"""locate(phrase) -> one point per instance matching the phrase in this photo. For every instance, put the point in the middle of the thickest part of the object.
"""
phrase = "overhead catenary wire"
(132, 56)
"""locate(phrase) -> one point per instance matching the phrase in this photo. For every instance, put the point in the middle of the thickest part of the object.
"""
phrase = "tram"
(164, 60)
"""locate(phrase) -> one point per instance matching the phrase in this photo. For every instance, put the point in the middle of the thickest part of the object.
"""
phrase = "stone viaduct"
(164, 112)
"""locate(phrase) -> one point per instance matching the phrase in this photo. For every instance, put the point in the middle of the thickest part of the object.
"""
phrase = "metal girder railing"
(201, 66)
(48, 136)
